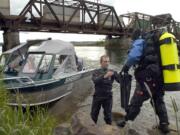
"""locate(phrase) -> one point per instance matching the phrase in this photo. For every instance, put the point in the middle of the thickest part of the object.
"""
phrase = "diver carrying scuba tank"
(145, 56)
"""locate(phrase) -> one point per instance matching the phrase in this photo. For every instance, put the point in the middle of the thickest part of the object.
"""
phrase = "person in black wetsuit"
(103, 79)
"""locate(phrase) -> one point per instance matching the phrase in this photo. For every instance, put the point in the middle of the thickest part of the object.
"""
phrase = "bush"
(23, 121)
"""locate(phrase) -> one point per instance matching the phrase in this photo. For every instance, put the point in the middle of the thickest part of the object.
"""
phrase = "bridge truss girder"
(147, 23)
(32, 18)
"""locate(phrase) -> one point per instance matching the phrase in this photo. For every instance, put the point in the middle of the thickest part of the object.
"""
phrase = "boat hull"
(48, 91)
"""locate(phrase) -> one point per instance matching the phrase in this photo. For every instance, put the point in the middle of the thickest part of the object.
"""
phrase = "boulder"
(110, 130)
(63, 129)
(82, 124)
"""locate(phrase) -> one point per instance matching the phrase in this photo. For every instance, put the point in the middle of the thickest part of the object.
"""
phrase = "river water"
(92, 54)
(146, 119)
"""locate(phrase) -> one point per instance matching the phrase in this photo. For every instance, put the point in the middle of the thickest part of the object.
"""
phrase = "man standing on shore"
(103, 79)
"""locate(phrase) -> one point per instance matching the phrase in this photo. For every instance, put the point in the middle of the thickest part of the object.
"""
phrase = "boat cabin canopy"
(11, 60)
(51, 59)
(13, 57)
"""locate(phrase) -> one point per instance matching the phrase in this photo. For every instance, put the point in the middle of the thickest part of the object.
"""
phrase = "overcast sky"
(152, 7)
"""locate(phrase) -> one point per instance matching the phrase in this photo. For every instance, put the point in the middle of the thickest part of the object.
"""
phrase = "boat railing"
(23, 80)
(86, 68)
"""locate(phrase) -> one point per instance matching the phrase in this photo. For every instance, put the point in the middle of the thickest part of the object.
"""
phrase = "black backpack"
(150, 60)
(151, 52)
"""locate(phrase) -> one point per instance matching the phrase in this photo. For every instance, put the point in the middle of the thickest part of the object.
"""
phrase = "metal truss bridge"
(79, 16)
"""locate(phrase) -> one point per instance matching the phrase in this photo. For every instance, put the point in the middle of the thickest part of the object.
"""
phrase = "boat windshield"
(3, 59)
(45, 64)
(32, 63)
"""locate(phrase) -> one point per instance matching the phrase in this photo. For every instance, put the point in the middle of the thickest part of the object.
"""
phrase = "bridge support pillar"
(108, 37)
(11, 39)
(5, 7)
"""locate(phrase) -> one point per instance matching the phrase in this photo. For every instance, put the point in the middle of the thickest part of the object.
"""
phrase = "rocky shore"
(73, 112)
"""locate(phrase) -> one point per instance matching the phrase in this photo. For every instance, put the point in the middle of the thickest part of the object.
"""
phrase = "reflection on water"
(91, 53)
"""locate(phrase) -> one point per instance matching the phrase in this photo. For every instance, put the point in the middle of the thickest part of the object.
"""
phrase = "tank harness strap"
(171, 67)
(166, 41)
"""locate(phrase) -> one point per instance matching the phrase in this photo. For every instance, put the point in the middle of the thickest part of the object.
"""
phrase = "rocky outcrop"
(110, 130)
(83, 125)
(63, 129)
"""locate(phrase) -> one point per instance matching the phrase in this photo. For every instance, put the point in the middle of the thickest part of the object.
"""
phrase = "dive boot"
(121, 123)
(164, 128)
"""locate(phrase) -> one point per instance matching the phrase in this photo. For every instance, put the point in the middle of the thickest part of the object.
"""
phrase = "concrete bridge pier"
(11, 39)
(108, 37)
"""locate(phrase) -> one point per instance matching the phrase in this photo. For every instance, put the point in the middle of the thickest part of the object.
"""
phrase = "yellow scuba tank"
(170, 62)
